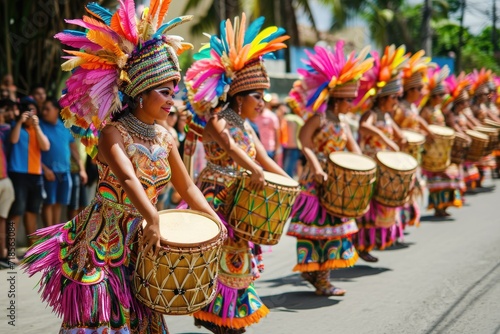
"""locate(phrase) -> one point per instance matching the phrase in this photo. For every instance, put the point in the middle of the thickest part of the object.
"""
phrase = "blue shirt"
(25, 155)
(59, 156)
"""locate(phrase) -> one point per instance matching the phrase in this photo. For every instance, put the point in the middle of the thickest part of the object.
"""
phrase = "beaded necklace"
(233, 117)
(138, 128)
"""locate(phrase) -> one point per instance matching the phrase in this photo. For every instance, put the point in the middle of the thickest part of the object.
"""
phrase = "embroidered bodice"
(406, 116)
(240, 132)
(151, 167)
(330, 137)
(371, 144)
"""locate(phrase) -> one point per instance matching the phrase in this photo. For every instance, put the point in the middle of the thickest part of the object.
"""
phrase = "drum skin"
(182, 279)
(478, 146)
(415, 141)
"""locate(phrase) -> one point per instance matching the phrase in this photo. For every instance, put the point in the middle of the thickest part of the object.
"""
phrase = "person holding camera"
(25, 169)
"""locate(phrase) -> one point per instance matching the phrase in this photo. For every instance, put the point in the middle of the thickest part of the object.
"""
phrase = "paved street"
(446, 281)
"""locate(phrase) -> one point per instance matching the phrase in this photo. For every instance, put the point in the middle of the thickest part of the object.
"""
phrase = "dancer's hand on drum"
(320, 176)
(151, 237)
(257, 181)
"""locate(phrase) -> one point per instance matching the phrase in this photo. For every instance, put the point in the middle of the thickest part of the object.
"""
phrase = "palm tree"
(281, 13)
(27, 45)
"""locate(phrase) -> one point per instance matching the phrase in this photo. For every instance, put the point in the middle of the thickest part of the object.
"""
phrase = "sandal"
(367, 257)
(324, 287)
(309, 276)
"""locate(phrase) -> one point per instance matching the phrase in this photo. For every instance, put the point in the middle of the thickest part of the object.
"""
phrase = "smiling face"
(344, 105)
(414, 94)
(252, 103)
(388, 103)
(156, 103)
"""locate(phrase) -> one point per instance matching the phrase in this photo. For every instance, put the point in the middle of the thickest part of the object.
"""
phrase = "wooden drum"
(349, 187)
(182, 279)
(437, 153)
(478, 146)
(460, 147)
(415, 141)
(396, 175)
(261, 216)
(493, 136)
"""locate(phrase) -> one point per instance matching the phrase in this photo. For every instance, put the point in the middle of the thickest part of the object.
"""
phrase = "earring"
(239, 108)
(140, 102)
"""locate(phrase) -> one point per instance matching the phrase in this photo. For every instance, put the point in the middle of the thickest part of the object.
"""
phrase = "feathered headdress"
(117, 52)
(479, 81)
(231, 63)
(435, 77)
(330, 73)
(384, 78)
(496, 84)
(457, 89)
(413, 71)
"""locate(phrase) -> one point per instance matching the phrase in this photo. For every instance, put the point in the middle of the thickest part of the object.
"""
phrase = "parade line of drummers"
(420, 127)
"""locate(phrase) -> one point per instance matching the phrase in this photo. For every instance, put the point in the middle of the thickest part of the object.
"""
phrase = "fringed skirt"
(86, 266)
(323, 240)
(379, 228)
(445, 188)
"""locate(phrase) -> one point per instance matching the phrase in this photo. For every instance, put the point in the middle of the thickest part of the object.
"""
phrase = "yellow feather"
(321, 98)
(72, 63)
(263, 34)
(105, 41)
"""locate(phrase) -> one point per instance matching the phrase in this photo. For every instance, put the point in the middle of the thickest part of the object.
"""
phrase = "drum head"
(477, 134)
(492, 123)
(442, 130)
(280, 179)
(461, 136)
(187, 227)
(397, 160)
(352, 161)
(413, 137)
(485, 129)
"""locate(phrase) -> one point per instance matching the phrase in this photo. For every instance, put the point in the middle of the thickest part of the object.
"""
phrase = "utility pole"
(494, 37)
(458, 65)
(426, 28)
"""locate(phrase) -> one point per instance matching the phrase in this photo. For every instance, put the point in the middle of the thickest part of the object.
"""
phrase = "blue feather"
(165, 26)
(223, 37)
(277, 34)
(217, 44)
(101, 12)
(75, 32)
(253, 30)
(316, 94)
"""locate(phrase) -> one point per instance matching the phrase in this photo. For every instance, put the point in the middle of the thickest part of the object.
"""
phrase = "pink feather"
(127, 20)
(79, 42)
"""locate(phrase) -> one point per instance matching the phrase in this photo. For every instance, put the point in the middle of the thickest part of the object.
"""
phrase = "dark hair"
(36, 86)
(128, 104)
(54, 102)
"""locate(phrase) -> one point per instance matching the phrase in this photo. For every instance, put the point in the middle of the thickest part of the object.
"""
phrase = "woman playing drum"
(445, 188)
(378, 132)
(407, 117)
(480, 91)
(324, 240)
(87, 263)
(223, 91)
(457, 102)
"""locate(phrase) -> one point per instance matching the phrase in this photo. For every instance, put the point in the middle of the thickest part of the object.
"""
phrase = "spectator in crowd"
(25, 169)
(9, 90)
(269, 128)
(56, 163)
(79, 192)
(292, 148)
(39, 94)
(180, 128)
(6, 190)
(280, 110)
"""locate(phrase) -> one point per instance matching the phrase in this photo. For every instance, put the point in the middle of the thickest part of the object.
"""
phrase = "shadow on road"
(298, 300)
(357, 271)
(434, 219)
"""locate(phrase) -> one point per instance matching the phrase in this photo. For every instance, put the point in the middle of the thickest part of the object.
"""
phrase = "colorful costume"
(230, 64)
(407, 117)
(380, 226)
(445, 188)
(87, 263)
(324, 240)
